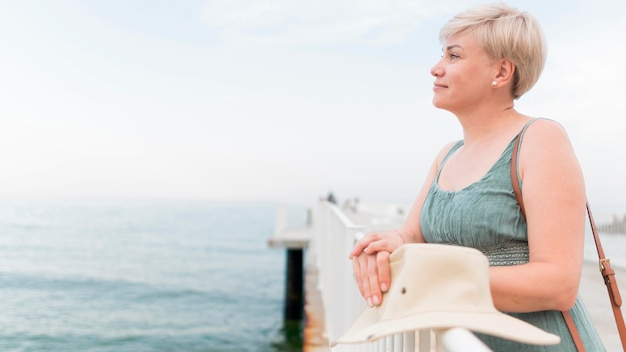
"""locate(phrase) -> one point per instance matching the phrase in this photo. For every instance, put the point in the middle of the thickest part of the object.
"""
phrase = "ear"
(505, 71)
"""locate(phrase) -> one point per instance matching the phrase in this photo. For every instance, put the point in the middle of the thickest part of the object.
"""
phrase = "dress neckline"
(506, 152)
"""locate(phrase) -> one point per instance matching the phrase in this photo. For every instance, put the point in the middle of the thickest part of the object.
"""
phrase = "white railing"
(334, 236)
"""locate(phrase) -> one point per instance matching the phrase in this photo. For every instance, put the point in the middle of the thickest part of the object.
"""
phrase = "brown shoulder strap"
(609, 280)
(573, 330)
(605, 265)
(514, 178)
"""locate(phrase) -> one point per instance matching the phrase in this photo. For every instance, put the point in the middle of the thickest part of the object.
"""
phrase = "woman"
(492, 55)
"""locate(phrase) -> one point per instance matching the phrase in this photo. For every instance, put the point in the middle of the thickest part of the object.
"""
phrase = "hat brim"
(491, 323)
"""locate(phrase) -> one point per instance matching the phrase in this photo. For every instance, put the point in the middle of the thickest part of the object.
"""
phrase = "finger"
(356, 270)
(375, 295)
(362, 244)
(360, 274)
(364, 277)
(381, 245)
(384, 271)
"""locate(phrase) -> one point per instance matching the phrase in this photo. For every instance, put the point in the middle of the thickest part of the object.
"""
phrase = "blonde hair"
(505, 33)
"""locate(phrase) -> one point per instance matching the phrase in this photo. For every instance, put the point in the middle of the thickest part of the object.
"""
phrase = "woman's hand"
(372, 275)
(370, 263)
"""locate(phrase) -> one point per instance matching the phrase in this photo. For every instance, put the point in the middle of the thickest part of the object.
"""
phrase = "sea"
(113, 275)
(141, 276)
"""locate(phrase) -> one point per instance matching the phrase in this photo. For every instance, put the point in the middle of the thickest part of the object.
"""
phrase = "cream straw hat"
(436, 286)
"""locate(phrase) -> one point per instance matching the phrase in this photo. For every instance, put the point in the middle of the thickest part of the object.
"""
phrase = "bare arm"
(554, 198)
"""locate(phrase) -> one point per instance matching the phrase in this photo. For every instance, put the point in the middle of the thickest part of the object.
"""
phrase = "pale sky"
(280, 100)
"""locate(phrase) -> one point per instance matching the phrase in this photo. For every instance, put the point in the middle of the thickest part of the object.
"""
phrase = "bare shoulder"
(543, 128)
(439, 160)
(445, 150)
(545, 136)
(546, 148)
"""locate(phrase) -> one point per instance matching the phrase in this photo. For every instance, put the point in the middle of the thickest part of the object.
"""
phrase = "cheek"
(470, 84)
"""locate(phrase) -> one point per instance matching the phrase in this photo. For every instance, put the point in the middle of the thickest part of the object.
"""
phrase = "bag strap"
(573, 330)
(605, 265)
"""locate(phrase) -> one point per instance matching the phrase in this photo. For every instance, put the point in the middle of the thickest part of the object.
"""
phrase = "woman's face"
(463, 76)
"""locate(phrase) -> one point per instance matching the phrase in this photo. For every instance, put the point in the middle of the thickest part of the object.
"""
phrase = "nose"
(437, 70)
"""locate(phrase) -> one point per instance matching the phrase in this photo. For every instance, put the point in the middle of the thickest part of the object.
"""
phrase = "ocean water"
(132, 276)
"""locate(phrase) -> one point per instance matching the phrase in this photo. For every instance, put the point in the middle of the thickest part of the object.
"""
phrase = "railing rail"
(334, 237)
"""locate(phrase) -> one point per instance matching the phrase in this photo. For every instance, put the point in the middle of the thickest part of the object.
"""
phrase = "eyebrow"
(450, 47)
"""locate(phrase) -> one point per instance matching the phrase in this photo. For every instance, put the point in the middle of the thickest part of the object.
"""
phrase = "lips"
(439, 85)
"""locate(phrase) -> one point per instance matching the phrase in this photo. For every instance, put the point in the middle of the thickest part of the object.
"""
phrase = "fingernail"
(369, 302)
(384, 288)
(376, 300)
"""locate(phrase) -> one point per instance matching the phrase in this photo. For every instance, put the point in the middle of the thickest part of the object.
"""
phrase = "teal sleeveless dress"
(485, 215)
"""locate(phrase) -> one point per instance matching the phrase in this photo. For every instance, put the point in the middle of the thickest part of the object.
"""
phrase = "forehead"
(465, 40)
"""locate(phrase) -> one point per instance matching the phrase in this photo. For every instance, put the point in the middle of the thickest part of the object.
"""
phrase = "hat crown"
(438, 277)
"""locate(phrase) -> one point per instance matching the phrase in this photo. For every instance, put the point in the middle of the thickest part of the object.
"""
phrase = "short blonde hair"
(505, 33)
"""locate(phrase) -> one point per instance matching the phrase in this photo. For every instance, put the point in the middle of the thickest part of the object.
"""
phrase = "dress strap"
(519, 147)
(456, 146)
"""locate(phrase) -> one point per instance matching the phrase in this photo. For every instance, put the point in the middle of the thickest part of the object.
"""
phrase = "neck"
(485, 125)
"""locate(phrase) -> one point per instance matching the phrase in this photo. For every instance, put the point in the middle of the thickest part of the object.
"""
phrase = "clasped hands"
(370, 264)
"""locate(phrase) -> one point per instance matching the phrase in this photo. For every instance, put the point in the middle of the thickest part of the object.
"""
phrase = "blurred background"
(144, 145)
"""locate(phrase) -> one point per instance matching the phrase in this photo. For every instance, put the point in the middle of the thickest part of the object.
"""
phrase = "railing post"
(409, 341)
(398, 343)
(457, 339)
(424, 339)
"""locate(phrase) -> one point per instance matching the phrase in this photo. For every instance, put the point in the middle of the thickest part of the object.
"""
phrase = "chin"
(443, 105)
(439, 104)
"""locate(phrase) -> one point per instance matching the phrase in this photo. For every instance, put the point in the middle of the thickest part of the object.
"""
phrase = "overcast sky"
(280, 100)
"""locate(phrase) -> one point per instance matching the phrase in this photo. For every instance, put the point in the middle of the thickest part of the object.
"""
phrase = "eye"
(450, 56)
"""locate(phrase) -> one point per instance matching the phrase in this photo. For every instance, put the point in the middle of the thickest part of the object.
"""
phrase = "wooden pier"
(301, 286)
